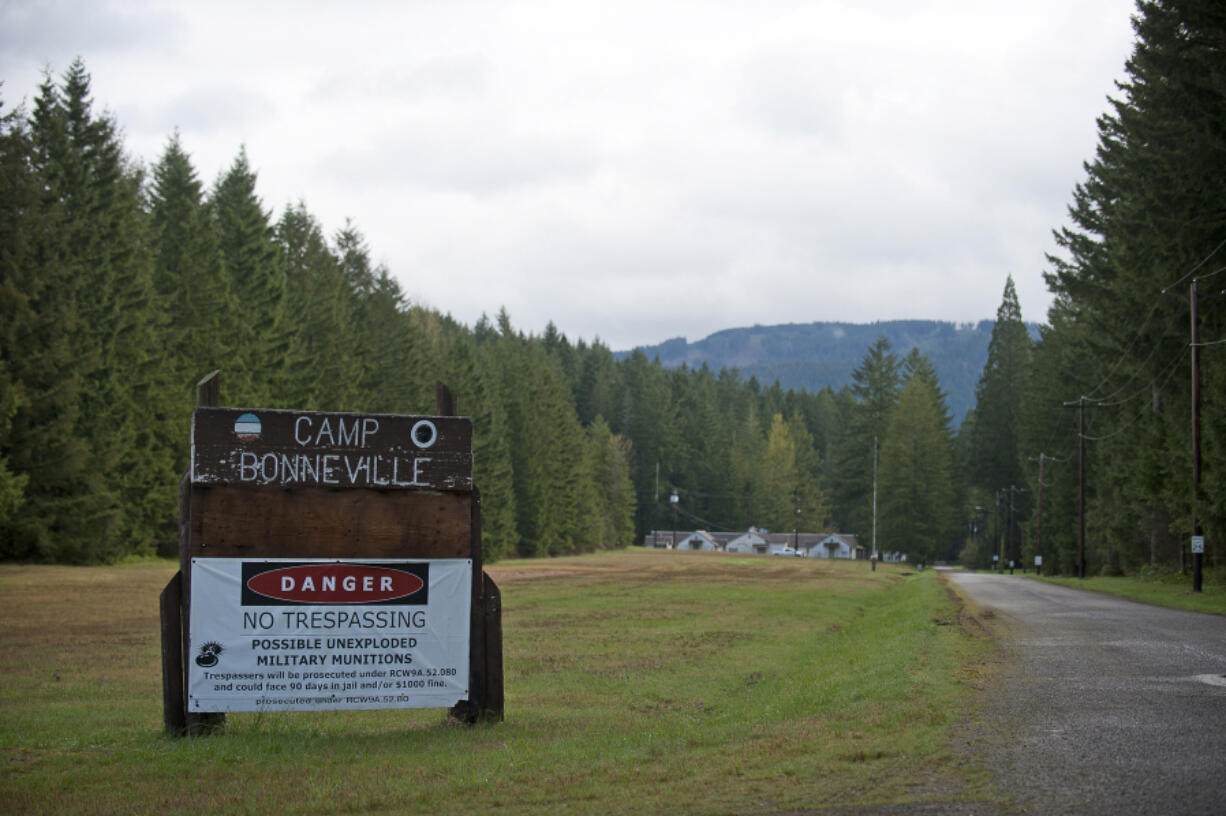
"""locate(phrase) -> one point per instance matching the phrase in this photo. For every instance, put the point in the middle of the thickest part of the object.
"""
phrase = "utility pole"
(796, 523)
(1038, 552)
(1081, 490)
(1081, 484)
(1198, 538)
(873, 558)
(1015, 549)
(1008, 543)
(1009, 530)
(998, 547)
(674, 499)
(655, 509)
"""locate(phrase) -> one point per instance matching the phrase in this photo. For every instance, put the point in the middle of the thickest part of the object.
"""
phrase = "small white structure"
(697, 540)
(835, 545)
(750, 542)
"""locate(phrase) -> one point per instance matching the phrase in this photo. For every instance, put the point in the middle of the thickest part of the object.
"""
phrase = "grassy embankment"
(636, 682)
(1173, 590)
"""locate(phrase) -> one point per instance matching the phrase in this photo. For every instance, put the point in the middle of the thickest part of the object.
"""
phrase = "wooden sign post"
(329, 561)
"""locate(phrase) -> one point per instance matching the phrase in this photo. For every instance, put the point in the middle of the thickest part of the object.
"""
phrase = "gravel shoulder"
(1099, 705)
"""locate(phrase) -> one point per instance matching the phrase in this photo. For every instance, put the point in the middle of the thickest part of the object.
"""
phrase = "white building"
(835, 545)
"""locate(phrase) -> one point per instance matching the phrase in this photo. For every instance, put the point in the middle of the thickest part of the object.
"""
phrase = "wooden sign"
(343, 545)
(268, 448)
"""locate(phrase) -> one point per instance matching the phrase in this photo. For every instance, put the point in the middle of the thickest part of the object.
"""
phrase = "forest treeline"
(121, 284)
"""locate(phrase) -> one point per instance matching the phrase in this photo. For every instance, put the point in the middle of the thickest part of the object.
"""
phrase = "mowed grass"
(1173, 590)
(636, 682)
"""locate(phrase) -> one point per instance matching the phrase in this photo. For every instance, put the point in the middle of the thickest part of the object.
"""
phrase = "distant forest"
(813, 356)
(121, 284)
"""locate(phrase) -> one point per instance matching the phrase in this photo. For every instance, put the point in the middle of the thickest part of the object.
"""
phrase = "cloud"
(422, 157)
(47, 29)
(446, 77)
(641, 170)
(212, 108)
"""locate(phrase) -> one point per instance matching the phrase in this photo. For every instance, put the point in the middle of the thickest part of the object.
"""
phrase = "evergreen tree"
(492, 467)
(778, 482)
(12, 485)
(1147, 220)
(46, 487)
(916, 476)
(325, 372)
(995, 459)
(610, 467)
(189, 281)
(597, 379)
(875, 389)
(259, 332)
(123, 401)
(700, 471)
(646, 415)
(814, 512)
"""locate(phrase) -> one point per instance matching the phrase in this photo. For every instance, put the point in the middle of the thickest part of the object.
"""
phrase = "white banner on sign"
(325, 634)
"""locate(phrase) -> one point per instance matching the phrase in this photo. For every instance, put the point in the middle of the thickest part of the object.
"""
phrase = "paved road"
(1108, 707)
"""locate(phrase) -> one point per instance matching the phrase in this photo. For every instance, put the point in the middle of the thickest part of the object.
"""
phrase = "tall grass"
(636, 682)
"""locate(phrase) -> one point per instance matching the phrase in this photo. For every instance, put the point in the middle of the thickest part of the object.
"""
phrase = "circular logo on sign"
(247, 427)
(424, 433)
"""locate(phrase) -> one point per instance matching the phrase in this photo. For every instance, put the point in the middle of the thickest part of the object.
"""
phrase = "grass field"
(1173, 590)
(636, 682)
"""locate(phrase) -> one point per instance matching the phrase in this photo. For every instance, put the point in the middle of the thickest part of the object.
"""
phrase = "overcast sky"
(632, 172)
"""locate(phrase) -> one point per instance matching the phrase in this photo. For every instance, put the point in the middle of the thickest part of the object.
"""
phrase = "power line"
(1149, 387)
(1144, 410)
(710, 524)
(1153, 309)
(1124, 356)
(1192, 271)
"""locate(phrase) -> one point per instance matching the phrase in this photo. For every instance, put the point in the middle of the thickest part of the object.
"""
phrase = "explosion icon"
(209, 654)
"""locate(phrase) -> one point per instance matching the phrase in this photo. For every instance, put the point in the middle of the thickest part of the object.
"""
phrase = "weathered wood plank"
(320, 523)
(493, 700)
(257, 447)
(170, 608)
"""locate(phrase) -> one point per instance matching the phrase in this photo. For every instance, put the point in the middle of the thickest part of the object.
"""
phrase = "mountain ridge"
(812, 356)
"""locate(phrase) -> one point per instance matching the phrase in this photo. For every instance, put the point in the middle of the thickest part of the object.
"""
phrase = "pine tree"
(610, 468)
(647, 416)
(779, 480)
(324, 369)
(189, 281)
(995, 457)
(916, 475)
(1146, 220)
(37, 393)
(123, 402)
(813, 508)
(875, 388)
(260, 335)
(492, 466)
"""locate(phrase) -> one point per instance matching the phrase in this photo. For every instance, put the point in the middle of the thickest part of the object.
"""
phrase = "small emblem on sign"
(209, 655)
(247, 427)
(425, 434)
